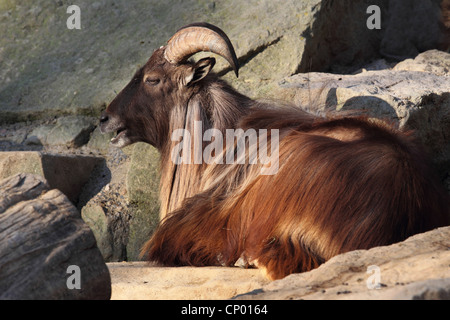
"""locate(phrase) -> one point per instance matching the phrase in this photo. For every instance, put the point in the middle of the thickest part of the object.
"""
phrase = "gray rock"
(423, 33)
(95, 217)
(99, 141)
(389, 94)
(39, 135)
(42, 237)
(104, 205)
(70, 131)
(66, 173)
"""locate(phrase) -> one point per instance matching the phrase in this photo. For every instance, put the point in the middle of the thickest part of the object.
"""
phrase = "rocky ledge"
(417, 268)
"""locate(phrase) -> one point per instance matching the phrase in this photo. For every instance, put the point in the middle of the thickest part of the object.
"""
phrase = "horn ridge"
(197, 37)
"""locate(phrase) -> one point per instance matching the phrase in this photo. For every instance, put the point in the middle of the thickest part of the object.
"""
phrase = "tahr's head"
(141, 111)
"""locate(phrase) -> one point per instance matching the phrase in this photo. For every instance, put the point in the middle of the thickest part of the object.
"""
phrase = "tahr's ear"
(199, 71)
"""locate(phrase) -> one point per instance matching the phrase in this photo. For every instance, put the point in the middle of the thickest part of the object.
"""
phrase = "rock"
(143, 174)
(431, 123)
(99, 141)
(42, 237)
(95, 217)
(70, 131)
(52, 70)
(39, 135)
(64, 172)
(104, 205)
(433, 61)
(390, 94)
(17, 139)
(121, 201)
(417, 268)
(143, 194)
(142, 281)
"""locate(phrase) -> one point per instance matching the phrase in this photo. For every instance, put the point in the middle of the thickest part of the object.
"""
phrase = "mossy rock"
(143, 194)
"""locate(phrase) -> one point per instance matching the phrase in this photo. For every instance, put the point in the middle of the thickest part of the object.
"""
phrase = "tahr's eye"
(152, 81)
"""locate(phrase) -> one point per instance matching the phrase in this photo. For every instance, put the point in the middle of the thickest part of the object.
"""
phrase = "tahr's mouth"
(120, 138)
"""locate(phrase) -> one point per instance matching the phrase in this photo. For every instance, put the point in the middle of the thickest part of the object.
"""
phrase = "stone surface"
(432, 61)
(99, 141)
(141, 281)
(393, 94)
(70, 131)
(143, 194)
(408, 23)
(417, 268)
(105, 207)
(42, 236)
(97, 220)
(64, 172)
(49, 69)
(121, 202)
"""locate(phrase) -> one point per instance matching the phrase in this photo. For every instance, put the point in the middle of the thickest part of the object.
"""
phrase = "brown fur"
(343, 183)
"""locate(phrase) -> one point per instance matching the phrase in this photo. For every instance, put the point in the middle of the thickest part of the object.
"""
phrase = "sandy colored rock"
(432, 61)
(417, 268)
(142, 281)
(389, 94)
(105, 207)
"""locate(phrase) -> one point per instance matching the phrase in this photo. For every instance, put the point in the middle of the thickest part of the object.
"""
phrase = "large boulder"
(49, 69)
(46, 251)
(433, 61)
(389, 93)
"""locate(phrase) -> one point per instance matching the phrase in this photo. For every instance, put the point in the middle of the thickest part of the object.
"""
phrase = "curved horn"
(199, 37)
